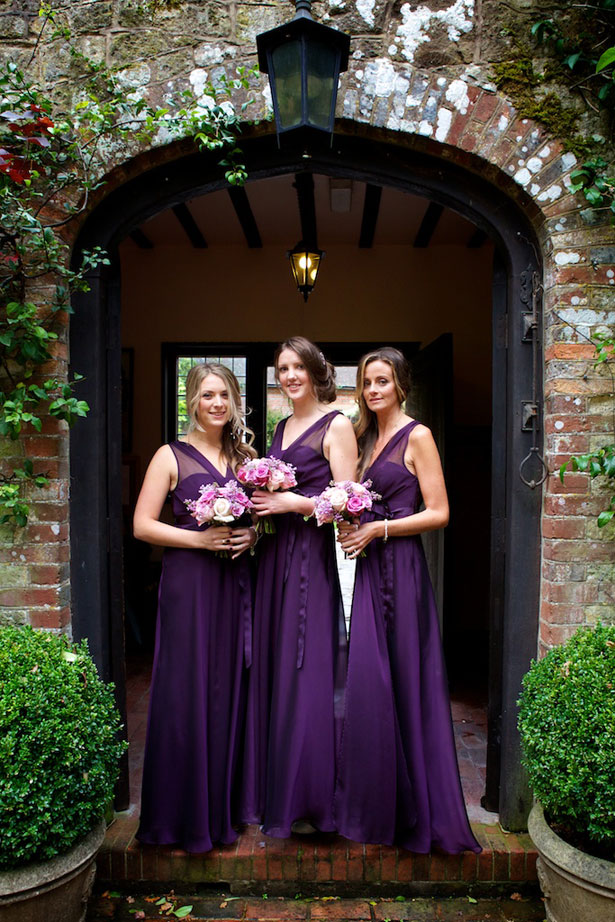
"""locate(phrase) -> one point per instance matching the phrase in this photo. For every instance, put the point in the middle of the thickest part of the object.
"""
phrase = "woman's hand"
(241, 540)
(354, 538)
(216, 538)
(266, 503)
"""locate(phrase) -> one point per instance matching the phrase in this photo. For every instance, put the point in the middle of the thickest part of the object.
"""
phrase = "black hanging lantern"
(303, 60)
(305, 263)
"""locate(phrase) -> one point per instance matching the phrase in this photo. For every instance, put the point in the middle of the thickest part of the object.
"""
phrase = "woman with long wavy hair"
(398, 781)
(203, 631)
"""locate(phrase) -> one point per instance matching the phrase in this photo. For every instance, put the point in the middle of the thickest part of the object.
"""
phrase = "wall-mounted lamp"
(303, 59)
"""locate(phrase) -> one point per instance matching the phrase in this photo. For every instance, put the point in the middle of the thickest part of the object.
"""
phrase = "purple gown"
(197, 698)
(398, 781)
(298, 669)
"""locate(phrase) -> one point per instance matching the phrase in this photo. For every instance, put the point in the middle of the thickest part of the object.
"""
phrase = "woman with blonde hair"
(203, 631)
(398, 781)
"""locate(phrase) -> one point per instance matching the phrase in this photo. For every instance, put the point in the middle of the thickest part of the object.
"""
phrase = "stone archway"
(96, 537)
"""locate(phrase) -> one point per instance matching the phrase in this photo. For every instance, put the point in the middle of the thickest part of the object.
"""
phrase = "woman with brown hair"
(299, 660)
(203, 632)
(398, 781)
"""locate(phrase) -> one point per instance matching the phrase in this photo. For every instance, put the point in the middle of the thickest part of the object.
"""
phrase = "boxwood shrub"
(567, 727)
(59, 745)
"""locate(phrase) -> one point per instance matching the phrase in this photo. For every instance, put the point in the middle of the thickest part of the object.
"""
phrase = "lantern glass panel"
(321, 64)
(286, 67)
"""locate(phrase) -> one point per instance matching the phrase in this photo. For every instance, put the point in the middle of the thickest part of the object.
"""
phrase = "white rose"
(338, 498)
(276, 479)
(222, 510)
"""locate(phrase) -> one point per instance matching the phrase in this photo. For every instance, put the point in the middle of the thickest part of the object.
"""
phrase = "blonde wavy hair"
(237, 438)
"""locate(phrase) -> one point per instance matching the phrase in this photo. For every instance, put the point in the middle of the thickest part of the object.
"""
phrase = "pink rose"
(355, 504)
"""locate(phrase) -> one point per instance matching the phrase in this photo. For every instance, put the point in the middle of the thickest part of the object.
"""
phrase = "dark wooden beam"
(371, 208)
(141, 239)
(239, 198)
(304, 184)
(428, 225)
(477, 239)
(191, 229)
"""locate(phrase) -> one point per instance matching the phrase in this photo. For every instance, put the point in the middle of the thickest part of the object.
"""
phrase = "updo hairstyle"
(321, 372)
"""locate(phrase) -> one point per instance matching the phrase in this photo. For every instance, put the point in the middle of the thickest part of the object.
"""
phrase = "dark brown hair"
(321, 372)
(366, 427)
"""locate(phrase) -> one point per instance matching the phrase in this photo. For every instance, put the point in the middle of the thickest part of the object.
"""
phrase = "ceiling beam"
(304, 184)
(189, 225)
(371, 209)
(243, 210)
(141, 239)
(428, 225)
(477, 239)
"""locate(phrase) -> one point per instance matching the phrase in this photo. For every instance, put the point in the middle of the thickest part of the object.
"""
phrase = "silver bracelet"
(386, 531)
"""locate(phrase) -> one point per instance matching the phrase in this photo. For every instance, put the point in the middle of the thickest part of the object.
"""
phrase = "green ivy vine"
(579, 42)
(52, 155)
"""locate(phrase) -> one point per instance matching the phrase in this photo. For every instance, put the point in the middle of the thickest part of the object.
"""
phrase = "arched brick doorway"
(95, 346)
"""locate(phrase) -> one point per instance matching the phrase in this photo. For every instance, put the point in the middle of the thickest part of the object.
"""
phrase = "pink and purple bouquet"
(267, 474)
(218, 505)
(343, 501)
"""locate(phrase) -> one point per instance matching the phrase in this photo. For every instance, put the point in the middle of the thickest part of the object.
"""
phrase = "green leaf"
(182, 912)
(606, 58)
(605, 517)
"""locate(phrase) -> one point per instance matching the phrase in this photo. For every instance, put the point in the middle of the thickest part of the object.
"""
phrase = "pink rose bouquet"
(267, 474)
(218, 505)
(343, 501)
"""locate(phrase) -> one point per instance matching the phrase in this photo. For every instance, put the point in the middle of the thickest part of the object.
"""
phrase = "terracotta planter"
(52, 891)
(575, 885)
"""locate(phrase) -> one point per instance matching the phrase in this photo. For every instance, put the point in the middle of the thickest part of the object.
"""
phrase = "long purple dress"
(197, 699)
(398, 781)
(298, 669)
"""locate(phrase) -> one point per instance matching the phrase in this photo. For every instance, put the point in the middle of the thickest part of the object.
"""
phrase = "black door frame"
(95, 444)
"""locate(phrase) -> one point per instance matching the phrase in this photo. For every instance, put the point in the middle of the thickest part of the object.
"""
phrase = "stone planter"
(52, 891)
(576, 886)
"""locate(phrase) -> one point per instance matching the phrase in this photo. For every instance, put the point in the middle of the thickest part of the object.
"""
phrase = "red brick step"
(318, 864)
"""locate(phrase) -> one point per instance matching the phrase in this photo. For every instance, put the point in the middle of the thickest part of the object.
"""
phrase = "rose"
(222, 510)
(276, 480)
(355, 504)
(338, 498)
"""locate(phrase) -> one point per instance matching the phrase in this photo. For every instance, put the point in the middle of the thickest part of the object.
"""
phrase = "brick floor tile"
(276, 909)
(341, 909)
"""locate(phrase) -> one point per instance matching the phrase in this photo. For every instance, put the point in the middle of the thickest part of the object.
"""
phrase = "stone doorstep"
(319, 864)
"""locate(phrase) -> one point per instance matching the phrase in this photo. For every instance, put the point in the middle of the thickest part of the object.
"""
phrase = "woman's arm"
(160, 477)
(421, 455)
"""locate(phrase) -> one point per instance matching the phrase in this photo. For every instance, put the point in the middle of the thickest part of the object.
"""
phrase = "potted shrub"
(567, 727)
(59, 761)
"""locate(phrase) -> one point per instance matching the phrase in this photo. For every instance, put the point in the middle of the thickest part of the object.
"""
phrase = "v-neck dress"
(398, 780)
(298, 668)
(197, 698)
